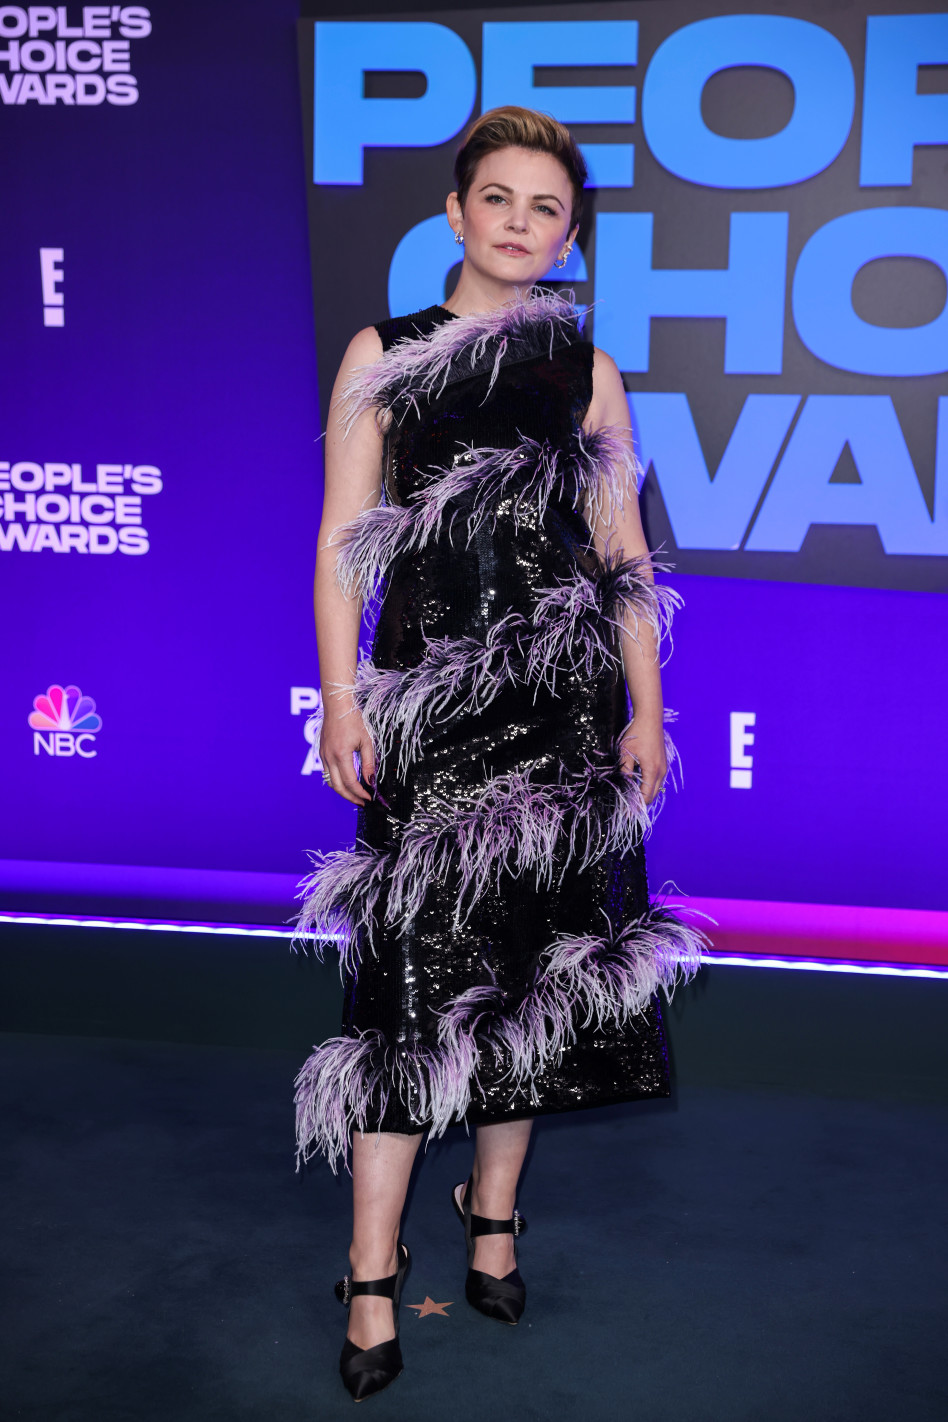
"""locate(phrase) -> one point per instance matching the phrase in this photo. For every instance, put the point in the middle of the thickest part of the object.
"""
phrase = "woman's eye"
(541, 207)
(494, 197)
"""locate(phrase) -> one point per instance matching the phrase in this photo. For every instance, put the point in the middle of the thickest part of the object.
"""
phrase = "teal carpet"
(731, 1255)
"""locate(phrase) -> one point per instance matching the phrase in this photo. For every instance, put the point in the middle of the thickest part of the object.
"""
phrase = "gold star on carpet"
(429, 1306)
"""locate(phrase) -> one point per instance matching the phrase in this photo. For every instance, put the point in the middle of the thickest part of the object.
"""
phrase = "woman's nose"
(517, 221)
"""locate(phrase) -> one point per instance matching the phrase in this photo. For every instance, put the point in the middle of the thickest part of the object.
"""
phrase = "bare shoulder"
(608, 405)
(363, 351)
(606, 374)
(365, 348)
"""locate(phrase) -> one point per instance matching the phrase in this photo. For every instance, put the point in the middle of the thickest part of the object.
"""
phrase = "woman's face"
(516, 216)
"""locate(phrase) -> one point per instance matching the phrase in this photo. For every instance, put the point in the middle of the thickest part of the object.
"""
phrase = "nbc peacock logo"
(65, 723)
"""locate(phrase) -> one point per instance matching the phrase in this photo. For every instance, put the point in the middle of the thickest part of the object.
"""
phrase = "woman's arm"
(643, 740)
(353, 482)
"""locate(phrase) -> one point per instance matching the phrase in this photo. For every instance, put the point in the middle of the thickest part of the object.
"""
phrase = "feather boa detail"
(607, 978)
(598, 470)
(345, 1076)
(613, 975)
(515, 824)
(341, 900)
(417, 369)
(574, 628)
(536, 820)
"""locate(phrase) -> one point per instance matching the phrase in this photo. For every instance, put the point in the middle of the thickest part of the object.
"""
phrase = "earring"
(561, 261)
(458, 238)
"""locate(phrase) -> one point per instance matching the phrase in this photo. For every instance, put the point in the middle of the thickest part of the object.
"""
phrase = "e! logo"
(51, 273)
(741, 738)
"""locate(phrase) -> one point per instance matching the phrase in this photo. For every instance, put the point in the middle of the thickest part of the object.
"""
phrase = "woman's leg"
(381, 1169)
(498, 1159)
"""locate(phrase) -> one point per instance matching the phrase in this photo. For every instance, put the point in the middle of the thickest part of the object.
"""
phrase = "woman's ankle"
(494, 1200)
(375, 1259)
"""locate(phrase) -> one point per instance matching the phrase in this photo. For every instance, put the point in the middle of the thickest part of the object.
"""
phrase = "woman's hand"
(617, 532)
(643, 747)
(342, 735)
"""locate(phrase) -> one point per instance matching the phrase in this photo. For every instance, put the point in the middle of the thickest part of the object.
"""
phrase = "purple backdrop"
(187, 347)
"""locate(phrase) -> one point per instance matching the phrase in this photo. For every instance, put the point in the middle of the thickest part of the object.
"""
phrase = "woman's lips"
(513, 249)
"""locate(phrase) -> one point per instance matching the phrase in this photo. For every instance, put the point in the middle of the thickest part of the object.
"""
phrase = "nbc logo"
(64, 723)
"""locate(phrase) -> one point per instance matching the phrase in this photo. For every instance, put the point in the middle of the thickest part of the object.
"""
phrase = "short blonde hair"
(514, 127)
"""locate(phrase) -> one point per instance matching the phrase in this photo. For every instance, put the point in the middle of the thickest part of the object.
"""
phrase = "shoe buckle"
(343, 1290)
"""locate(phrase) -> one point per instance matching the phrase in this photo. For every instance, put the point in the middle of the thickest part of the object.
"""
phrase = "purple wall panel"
(849, 689)
(188, 345)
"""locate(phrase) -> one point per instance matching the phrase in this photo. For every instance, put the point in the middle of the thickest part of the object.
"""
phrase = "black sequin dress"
(500, 952)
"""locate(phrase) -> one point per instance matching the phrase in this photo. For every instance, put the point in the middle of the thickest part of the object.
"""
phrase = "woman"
(500, 954)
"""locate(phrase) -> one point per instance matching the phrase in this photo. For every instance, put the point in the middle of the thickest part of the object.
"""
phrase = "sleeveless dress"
(500, 953)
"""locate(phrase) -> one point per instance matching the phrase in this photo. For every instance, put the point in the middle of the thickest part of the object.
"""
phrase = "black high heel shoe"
(367, 1370)
(504, 1298)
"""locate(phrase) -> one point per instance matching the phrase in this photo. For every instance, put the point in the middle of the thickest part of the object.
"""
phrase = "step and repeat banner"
(764, 252)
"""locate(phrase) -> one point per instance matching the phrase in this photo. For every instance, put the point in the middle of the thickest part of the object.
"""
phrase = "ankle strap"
(384, 1287)
(481, 1225)
(347, 1288)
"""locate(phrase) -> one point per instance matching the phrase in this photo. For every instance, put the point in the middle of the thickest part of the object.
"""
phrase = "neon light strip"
(829, 965)
(245, 930)
(151, 925)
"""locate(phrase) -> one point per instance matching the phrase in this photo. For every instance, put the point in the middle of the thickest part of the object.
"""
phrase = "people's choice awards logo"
(65, 723)
(63, 508)
(309, 698)
(52, 57)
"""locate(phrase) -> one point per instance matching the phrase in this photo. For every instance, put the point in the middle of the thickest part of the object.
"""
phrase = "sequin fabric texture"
(500, 952)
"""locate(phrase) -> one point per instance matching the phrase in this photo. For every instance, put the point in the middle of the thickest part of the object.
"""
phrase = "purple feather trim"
(370, 544)
(457, 675)
(575, 628)
(614, 975)
(597, 471)
(513, 825)
(604, 979)
(528, 1039)
(417, 368)
(338, 1083)
(516, 824)
(573, 623)
(346, 1076)
(340, 897)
